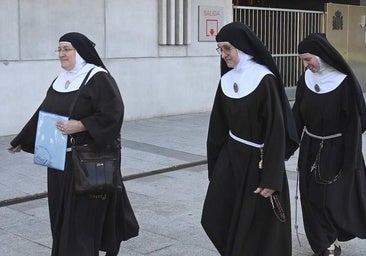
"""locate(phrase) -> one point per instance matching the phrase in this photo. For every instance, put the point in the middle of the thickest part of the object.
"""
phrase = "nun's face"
(67, 55)
(310, 61)
(228, 53)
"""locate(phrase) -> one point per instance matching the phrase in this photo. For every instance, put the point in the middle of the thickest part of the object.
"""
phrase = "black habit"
(333, 195)
(83, 225)
(238, 221)
(337, 210)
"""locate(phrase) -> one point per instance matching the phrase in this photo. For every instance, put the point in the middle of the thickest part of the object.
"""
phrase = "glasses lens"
(225, 49)
(65, 50)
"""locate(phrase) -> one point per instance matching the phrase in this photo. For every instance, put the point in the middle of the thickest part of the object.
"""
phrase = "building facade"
(157, 50)
(161, 52)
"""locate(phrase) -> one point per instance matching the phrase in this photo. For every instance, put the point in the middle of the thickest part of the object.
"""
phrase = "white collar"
(325, 80)
(244, 78)
(78, 78)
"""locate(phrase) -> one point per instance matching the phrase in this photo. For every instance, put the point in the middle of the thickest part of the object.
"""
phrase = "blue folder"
(50, 145)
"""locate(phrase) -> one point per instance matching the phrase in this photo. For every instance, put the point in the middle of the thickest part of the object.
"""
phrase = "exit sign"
(210, 21)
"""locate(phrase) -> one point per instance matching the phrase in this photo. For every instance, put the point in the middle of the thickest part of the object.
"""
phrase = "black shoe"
(110, 254)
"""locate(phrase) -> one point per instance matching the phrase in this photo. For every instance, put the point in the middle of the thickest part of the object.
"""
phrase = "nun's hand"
(70, 126)
(265, 192)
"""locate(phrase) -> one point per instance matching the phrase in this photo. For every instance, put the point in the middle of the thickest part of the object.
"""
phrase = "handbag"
(95, 170)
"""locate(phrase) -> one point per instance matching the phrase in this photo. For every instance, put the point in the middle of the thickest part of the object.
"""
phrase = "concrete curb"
(41, 195)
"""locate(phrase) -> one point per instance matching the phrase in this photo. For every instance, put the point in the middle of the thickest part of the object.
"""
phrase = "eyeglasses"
(65, 50)
(224, 49)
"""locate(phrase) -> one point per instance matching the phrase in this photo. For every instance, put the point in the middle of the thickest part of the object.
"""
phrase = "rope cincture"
(316, 169)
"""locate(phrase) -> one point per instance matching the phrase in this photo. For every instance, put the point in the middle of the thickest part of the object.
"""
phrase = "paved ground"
(167, 204)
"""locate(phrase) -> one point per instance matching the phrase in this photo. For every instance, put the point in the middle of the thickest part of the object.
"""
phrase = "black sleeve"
(296, 107)
(103, 120)
(274, 141)
(27, 136)
(218, 132)
(351, 130)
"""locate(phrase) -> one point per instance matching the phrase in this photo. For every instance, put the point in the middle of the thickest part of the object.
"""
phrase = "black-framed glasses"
(224, 49)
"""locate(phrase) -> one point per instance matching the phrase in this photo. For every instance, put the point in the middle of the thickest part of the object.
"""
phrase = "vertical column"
(187, 22)
(179, 20)
(174, 22)
(162, 23)
(171, 21)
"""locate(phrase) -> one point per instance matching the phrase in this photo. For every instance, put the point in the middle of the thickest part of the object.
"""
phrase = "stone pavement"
(163, 162)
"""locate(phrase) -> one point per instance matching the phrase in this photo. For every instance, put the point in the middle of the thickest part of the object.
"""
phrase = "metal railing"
(281, 30)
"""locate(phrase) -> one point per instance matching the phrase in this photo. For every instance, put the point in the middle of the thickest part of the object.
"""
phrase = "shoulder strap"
(78, 92)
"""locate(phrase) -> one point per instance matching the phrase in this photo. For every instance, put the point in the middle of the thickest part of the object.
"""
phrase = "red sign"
(212, 27)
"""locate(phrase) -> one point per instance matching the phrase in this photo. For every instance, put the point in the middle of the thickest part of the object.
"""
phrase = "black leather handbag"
(95, 170)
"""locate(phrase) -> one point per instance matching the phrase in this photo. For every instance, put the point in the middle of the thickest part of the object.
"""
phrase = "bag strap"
(78, 92)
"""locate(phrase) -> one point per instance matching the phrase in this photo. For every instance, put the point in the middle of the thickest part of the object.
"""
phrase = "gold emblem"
(236, 87)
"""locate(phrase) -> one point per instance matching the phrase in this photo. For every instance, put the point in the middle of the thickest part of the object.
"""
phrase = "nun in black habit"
(247, 208)
(330, 115)
(82, 225)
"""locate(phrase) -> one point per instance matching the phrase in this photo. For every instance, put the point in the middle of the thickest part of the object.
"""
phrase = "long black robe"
(337, 210)
(237, 221)
(83, 225)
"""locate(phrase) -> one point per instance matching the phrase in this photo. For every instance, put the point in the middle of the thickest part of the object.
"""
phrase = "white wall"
(154, 79)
